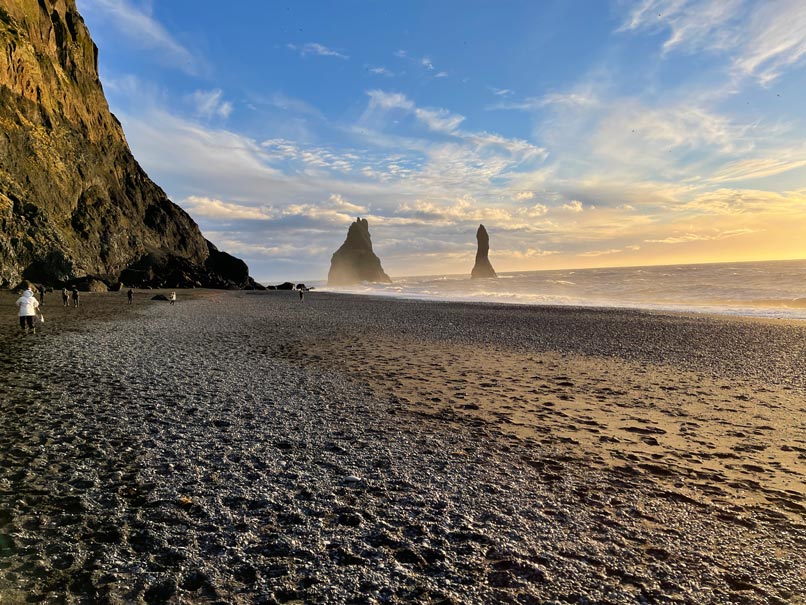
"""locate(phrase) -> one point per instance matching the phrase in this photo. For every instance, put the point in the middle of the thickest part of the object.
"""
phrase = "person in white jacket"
(27, 305)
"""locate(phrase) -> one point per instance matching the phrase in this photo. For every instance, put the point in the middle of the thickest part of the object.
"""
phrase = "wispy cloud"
(467, 211)
(209, 103)
(776, 40)
(437, 120)
(747, 203)
(201, 206)
(139, 26)
(292, 104)
(693, 24)
(567, 100)
(701, 237)
(316, 49)
(762, 40)
(756, 168)
(594, 253)
(331, 209)
(381, 71)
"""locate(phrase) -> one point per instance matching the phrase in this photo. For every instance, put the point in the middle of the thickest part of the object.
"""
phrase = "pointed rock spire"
(355, 261)
(482, 268)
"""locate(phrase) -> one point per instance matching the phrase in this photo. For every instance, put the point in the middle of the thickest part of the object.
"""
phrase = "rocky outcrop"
(482, 268)
(73, 200)
(355, 261)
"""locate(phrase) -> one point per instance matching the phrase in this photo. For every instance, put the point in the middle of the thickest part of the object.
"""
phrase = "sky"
(580, 133)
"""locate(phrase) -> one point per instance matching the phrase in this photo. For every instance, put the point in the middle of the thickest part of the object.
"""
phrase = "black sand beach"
(244, 447)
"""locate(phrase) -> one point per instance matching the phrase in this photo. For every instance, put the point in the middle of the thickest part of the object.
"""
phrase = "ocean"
(773, 289)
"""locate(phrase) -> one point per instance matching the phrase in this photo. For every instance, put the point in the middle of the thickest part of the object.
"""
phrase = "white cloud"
(437, 120)
(467, 211)
(762, 39)
(573, 206)
(316, 49)
(580, 99)
(200, 206)
(331, 210)
(287, 103)
(699, 237)
(594, 253)
(776, 40)
(529, 253)
(338, 202)
(381, 71)
(692, 23)
(635, 125)
(209, 104)
(426, 62)
(743, 170)
(747, 202)
(139, 26)
(523, 195)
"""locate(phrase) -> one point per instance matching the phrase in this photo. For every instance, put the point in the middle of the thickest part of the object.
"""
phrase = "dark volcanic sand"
(248, 448)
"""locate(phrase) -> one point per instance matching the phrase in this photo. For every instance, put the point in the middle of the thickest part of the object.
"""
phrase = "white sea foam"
(768, 289)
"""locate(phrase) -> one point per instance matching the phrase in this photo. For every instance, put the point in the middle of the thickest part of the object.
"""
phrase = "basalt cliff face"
(482, 268)
(73, 200)
(355, 261)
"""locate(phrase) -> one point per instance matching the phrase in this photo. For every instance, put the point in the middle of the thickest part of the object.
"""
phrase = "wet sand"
(246, 447)
(722, 441)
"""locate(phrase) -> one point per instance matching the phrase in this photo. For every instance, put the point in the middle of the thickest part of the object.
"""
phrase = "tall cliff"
(355, 261)
(73, 200)
(482, 267)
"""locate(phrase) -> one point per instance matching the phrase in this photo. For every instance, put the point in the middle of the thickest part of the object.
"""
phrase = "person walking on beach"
(65, 297)
(172, 297)
(130, 295)
(75, 296)
(41, 295)
(27, 305)
(301, 295)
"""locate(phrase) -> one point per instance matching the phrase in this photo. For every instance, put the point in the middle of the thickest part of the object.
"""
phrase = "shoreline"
(690, 313)
(681, 310)
(248, 447)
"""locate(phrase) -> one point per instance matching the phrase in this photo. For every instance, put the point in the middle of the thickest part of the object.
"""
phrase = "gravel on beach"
(189, 454)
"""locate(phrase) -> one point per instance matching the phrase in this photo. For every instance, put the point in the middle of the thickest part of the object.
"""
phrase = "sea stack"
(482, 268)
(355, 261)
(74, 203)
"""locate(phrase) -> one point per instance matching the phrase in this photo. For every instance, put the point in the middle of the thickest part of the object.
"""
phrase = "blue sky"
(580, 133)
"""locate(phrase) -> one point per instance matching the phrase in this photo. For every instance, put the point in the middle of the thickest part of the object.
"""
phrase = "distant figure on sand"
(65, 297)
(27, 305)
(172, 297)
(130, 295)
(75, 296)
(301, 295)
(41, 295)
